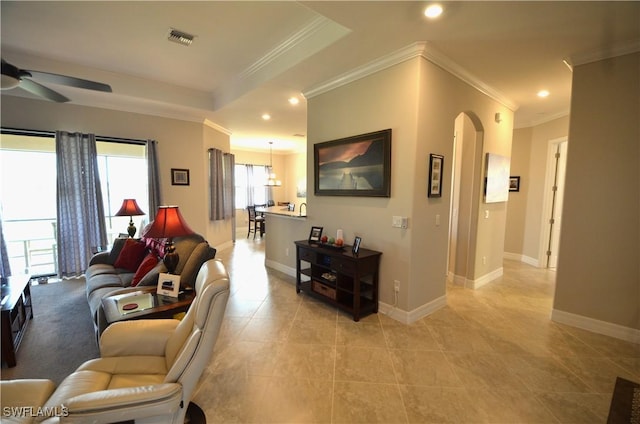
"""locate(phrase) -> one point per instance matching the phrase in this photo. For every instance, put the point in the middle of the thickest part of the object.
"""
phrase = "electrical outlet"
(396, 286)
(286, 251)
(484, 260)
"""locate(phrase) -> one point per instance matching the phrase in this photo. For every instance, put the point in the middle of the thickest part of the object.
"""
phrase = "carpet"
(60, 336)
(625, 403)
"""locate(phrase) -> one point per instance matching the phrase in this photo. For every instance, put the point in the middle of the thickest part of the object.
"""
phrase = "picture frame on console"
(355, 249)
(354, 166)
(315, 234)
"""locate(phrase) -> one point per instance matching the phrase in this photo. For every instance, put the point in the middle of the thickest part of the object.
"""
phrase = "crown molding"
(544, 120)
(418, 49)
(217, 127)
(281, 49)
(412, 51)
(594, 56)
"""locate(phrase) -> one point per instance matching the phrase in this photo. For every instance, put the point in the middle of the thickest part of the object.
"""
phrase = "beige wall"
(181, 144)
(420, 102)
(599, 268)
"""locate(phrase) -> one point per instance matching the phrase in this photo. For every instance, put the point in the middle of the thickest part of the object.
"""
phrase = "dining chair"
(256, 221)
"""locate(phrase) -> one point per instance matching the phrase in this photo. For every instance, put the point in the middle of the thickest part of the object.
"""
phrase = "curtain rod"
(40, 133)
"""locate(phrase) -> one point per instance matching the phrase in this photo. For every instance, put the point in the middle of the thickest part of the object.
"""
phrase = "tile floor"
(490, 356)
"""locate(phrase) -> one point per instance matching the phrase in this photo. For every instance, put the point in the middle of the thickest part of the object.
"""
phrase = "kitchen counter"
(280, 211)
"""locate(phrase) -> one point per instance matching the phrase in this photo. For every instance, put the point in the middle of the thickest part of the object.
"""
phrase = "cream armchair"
(148, 369)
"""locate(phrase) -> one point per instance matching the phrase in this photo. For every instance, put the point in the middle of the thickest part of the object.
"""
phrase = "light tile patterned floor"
(490, 356)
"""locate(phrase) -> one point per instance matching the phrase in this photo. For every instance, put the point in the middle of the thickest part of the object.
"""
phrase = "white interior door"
(556, 210)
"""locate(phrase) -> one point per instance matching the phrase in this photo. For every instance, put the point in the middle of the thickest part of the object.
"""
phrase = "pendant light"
(272, 181)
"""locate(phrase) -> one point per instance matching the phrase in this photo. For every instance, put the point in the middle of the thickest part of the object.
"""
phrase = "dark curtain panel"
(81, 221)
(221, 183)
(154, 178)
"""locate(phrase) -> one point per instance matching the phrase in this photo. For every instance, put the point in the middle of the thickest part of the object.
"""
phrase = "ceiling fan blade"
(42, 91)
(69, 81)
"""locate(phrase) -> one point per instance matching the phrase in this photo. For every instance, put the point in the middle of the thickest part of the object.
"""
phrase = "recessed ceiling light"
(266, 116)
(294, 100)
(433, 11)
(543, 93)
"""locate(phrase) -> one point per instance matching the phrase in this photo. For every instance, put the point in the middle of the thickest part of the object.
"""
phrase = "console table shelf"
(338, 277)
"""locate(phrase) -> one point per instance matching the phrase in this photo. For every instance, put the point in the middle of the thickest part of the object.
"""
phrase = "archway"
(465, 196)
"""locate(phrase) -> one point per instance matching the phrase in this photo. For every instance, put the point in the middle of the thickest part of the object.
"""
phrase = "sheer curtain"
(257, 192)
(154, 178)
(81, 222)
(221, 179)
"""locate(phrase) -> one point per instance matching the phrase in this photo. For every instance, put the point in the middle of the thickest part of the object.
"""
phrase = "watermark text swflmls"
(33, 412)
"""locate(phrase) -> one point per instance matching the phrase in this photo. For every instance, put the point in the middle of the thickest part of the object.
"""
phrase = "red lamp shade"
(169, 223)
(130, 208)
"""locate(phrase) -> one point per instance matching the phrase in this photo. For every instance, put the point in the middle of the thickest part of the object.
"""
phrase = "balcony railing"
(32, 246)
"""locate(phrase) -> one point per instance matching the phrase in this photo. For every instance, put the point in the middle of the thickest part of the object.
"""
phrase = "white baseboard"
(485, 279)
(414, 315)
(596, 326)
(522, 258)
(460, 280)
(280, 267)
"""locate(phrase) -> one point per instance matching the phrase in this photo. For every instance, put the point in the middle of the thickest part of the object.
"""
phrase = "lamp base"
(171, 257)
(131, 229)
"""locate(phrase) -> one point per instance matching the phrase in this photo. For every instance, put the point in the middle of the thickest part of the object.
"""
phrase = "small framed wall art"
(436, 167)
(514, 183)
(179, 176)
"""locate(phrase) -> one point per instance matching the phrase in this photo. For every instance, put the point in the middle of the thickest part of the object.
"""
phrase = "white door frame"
(545, 233)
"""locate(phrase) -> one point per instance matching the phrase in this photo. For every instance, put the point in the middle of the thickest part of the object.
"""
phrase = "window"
(249, 185)
(28, 195)
(123, 175)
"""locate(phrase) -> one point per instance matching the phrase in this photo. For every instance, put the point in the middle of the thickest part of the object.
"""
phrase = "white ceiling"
(248, 58)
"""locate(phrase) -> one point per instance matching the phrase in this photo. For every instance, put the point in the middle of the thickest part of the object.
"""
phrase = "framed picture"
(168, 284)
(315, 234)
(356, 246)
(179, 176)
(436, 167)
(514, 183)
(354, 166)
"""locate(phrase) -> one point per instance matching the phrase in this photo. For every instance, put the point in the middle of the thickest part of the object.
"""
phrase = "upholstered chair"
(147, 370)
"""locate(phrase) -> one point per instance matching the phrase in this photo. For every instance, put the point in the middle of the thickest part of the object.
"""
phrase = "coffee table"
(17, 310)
(145, 304)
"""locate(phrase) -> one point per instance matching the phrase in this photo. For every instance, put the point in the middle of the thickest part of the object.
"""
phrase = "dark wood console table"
(17, 310)
(338, 277)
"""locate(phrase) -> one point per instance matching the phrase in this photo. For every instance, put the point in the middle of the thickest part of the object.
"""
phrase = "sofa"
(134, 263)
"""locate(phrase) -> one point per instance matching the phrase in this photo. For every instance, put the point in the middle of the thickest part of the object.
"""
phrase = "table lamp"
(130, 208)
(168, 224)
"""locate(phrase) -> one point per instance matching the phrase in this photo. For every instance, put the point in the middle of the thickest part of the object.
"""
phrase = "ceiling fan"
(13, 76)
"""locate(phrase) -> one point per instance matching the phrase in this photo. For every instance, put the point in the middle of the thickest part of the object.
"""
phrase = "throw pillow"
(148, 263)
(131, 255)
(155, 245)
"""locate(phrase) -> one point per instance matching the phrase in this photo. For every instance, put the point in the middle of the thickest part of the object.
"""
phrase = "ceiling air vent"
(180, 37)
